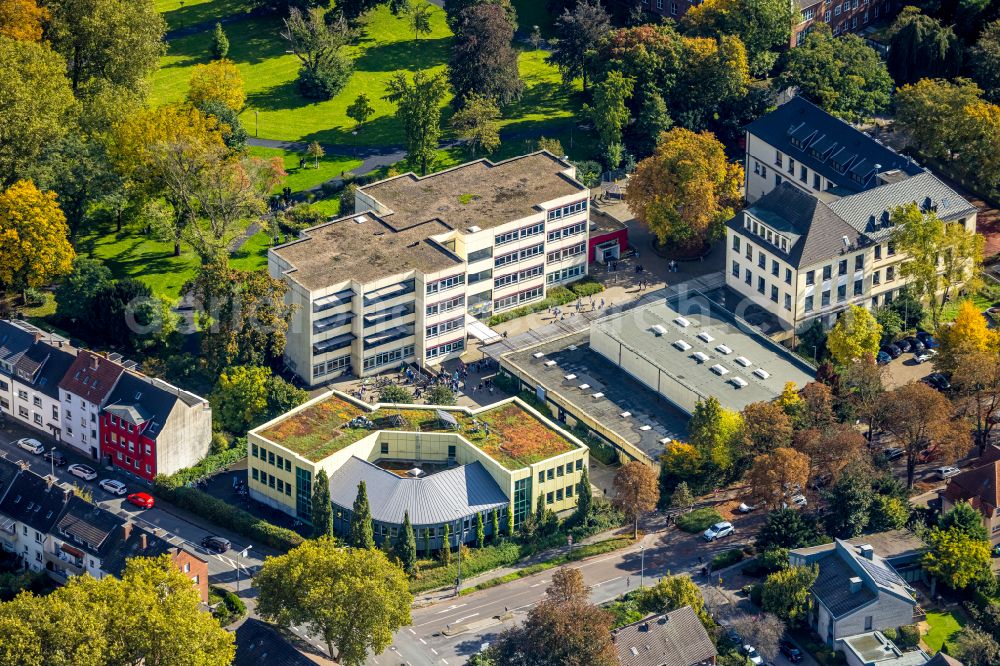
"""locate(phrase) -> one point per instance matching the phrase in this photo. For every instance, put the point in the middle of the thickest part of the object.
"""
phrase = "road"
(179, 528)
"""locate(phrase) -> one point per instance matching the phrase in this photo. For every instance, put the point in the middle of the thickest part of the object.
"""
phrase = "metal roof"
(431, 500)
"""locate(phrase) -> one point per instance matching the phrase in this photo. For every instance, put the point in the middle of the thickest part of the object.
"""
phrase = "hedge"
(726, 558)
(698, 520)
(206, 466)
(555, 297)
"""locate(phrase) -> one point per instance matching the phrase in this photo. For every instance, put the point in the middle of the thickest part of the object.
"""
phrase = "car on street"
(55, 457)
(946, 472)
(791, 652)
(892, 350)
(141, 500)
(927, 455)
(216, 544)
(752, 654)
(719, 530)
(31, 445)
(892, 453)
(82, 471)
(113, 486)
(882, 358)
(937, 381)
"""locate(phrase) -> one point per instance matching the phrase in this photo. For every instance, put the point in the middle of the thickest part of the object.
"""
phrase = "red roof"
(980, 486)
(91, 377)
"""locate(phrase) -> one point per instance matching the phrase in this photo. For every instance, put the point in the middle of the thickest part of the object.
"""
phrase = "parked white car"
(945, 472)
(923, 356)
(31, 445)
(752, 654)
(82, 471)
(113, 486)
(719, 530)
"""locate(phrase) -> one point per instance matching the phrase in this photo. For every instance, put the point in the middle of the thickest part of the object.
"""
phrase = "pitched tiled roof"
(432, 500)
(91, 377)
(841, 563)
(259, 643)
(833, 587)
(114, 562)
(138, 400)
(676, 638)
(980, 485)
(43, 366)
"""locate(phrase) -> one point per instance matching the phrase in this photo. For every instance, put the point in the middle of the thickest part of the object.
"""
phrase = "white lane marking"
(411, 631)
(524, 606)
(445, 662)
(605, 581)
(423, 641)
(465, 618)
(451, 608)
(434, 651)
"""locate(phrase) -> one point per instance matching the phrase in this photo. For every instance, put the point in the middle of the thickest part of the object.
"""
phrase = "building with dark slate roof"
(816, 235)
(259, 643)
(676, 638)
(36, 378)
(30, 508)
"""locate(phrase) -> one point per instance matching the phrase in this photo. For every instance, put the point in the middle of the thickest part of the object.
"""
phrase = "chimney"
(94, 361)
(143, 541)
(855, 585)
(866, 551)
(126, 531)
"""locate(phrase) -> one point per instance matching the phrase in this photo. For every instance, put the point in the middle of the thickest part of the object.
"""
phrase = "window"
(836, 10)
(566, 252)
(791, 166)
(890, 273)
(550, 474)
(559, 495)
(777, 180)
(827, 272)
(736, 269)
(749, 254)
(384, 448)
(890, 249)
(559, 470)
(566, 232)
(518, 276)
(760, 285)
(859, 262)
(37, 401)
(842, 267)
(445, 283)
(803, 173)
(673, 8)
(774, 293)
(788, 301)
(579, 465)
(446, 348)
(270, 458)
(808, 14)
(825, 300)
(809, 304)
(810, 278)
(485, 253)
(826, 16)
(541, 476)
(445, 306)
(38, 419)
(877, 277)
(384, 358)
(817, 181)
(447, 326)
(569, 491)
(761, 259)
(868, 622)
(859, 287)
(878, 252)
(841, 292)
(521, 297)
(570, 209)
(549, 495)
(777, 158)
(736, 243)
(748, 276)
(523, 253)
(788, 276)
(564, 274)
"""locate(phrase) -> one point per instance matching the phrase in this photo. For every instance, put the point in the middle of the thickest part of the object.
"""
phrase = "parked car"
(892, 350)
(745, 508)
(946, 472)
(719, 530)
(892, 453)
(55, 457)
(904, 345)
(915, 344)
(82, 471)
(938, 381)
(922, 357)
(791, 652)
(927, 339)
(141, 500)
(882, 358)
(113, 486)
(752, 654)
(216, 543)
(31, 445)
(798, 500)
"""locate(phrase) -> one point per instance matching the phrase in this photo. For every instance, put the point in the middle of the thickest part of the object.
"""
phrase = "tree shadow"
(284, 96)
(411, 56)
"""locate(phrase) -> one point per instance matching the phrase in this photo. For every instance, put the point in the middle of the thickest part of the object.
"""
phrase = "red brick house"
(843, 16)
(980, 487)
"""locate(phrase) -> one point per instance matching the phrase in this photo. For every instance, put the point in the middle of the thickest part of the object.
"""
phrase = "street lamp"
(256, 121)
(52, 462)
(240, 554)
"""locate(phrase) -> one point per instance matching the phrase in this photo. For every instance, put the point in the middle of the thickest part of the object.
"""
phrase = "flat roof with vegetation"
(517, 437)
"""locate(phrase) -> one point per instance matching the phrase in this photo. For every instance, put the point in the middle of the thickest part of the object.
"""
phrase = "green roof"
(517, 437)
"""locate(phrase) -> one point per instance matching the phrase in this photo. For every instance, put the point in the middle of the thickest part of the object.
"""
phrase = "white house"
(82, 393)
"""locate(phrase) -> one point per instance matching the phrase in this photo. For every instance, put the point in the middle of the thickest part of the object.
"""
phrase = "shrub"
(300, 217)
(34, 298)
(726, 558)
(588, 286)
(324, 83)
(206, 466)
(230, 607)
(908, 636)
(698, 520)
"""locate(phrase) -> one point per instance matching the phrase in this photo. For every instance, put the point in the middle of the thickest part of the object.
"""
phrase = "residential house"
(402, 278)
(980, 487)
(874, 649)
(15, 340)
(36, 378)
(139, 542)
(82, 394)
(669, 8)
(31, 507)
(83, 538)
(843, 16)
(677, 638)
(149, 427)
(856, 591)
(816, 236)
(259, 643)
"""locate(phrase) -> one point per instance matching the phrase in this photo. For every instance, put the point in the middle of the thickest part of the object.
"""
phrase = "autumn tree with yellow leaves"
(34, 245)
(22, 20)
(217, 81)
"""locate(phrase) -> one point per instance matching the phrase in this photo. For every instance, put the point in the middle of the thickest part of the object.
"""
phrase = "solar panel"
(882, 575)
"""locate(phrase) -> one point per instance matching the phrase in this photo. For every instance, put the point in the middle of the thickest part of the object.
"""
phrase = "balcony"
(63, 562)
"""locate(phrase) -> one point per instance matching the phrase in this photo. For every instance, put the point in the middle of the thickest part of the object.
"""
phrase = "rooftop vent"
(739, 382)
(705, 337)
(762, 373)
(682, 322)
(744, 361)
(537, 355)
(658, 330)
(360, 219)
(474, 228)
(720, 370)
(570, 377)
(866, 551)
(723, 349)
(855, 584)
(682, 345)
(847, 241)
(549, 364)
(701, 357)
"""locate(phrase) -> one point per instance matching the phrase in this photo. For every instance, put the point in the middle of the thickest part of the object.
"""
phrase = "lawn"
(943, 627)
(275, 109)
(184, 13)
(299, 179)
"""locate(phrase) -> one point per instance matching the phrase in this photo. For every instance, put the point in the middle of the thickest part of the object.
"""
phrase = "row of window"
(518, 276)
(270, 458)
(565, 274)
(480, 276)
(126, 461)
(567, 252)
(859, 265)
(517, 234)
(519, 255)
(446, 305)
(566, 232)
(113, 439)
(568, 209)
(515, 299)
(331, 366)
(558, 495)
(445, 283)
(559, 470)
(446, 348)
(446, 326)
(762, 285)
(384, 358)
(859, 289)
(271, 481)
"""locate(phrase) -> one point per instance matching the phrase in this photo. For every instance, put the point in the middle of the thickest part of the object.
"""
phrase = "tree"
(965, 519)
(790, 401)
(975, 647)
(773, 475)
(355, 599)
(482, 58)
(22, 20)
(787, 528)
(652, 121)
(686, 191)
(567, 586)
(921, 48)
(576, 34)
(440, 394)
(361, 534)
(395, 394)
(715, 72)
(763, 631)
(764, 27)
(679, 463)
(569, 634)
(978, 134)
(957, 559)
(977, 380)
(584, 498)
(240, 398)
(888, 513)
(766, 427)
(316, 41)
(843, 75)
(35, 109)
(786, 593)
(476, 123)
(107, 43)
(863, 387)
(682, 497)
(918, 417)
(420, 20)
(673, 592)
(926, 111)
(830, 450)
(361, 108)
(123, 311)
(609, 112)
(480, 531)
(220, 43)
(418, 108)
(406, 548)
(315, 151)
(75, 293)
(282, 396)
(453, 11)
(509, 527)
(850, 501)
(856, 335)
(968, 336)
(635, 491)
(34, 248)
(242, 315)
(986, 60)
(446, 545)
(494, 526)
(217, 81)
(234, 134)
(322, 509)
(817, 400)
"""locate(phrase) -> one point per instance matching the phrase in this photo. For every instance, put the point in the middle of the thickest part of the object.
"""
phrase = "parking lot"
(904, 370)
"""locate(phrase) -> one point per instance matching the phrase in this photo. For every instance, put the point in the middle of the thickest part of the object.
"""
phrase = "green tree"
(315, 151)
(843, 75)
(476, 123)
(850, 501)
(399, 7)
(609, 112)
(361, 108)
(787, 528)
(440, 394)
(509, 528)
(480, 531)
(361, 534)
(355, 599)
(921, 48)
(965, 519)
(957, 559)
(577, 32)
(682, 497)
(584, 498)
(220, 43)
(652, 121)
(786, 593)
(420, 20)
(317, 41)
(282, 396)
(446, 545)
(395, 394)
(483, 60)
(240, 397)
(418, 108)
(975, 647)
(888, 513)
(494, 525)
(322, 509)
(986, 60)
(713, 432)
(856, 335)
(406, 547)
(673, 592)
(764, 27)
(926, 111)
(75, 293)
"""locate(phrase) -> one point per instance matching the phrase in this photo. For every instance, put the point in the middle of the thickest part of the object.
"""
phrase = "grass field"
(184, 13)
(276, 110)
(299, 179)
(943, 627)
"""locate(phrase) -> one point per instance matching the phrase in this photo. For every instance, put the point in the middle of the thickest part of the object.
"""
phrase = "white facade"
(80, 423)
(37, 409)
